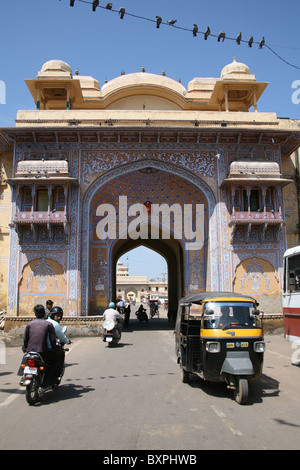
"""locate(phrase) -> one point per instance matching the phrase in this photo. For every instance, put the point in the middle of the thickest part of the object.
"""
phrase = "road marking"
(73, 346)
(225, 421)
(278, 354)
(12, 397)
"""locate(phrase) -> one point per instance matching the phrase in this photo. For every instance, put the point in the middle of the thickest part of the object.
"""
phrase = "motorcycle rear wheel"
(32, 391)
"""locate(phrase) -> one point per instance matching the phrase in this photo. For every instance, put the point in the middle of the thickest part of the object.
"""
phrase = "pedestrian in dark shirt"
(35, 338)
(127, 313)
(49, 305)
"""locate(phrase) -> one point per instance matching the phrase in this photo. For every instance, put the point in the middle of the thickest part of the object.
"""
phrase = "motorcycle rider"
(112, 314)
(141, 313)
(39, 336)
(56, 314)
(141, 309)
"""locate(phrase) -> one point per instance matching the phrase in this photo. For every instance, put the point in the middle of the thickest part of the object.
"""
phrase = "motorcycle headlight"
(259, 346)
(213, 346)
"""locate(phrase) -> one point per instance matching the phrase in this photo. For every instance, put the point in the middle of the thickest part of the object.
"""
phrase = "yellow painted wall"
(255, 276)
(42, 279)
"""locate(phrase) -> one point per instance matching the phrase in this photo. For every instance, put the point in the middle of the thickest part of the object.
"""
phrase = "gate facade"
(92, 180)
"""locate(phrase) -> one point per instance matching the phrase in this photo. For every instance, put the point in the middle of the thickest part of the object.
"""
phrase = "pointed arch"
(147, 165)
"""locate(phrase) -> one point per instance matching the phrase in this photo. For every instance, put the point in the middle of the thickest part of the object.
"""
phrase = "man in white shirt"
(112, 314)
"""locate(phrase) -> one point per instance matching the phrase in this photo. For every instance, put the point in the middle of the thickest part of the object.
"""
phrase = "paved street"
(131, 397)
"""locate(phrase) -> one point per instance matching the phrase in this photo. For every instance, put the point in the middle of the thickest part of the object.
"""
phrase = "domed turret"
(236, 70)
(55, 68)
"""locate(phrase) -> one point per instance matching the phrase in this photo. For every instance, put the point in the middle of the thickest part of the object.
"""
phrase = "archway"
(142, 272)
(154, 182)
(172, 251)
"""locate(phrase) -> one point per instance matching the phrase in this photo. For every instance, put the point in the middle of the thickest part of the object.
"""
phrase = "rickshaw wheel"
(241, 392)
(185, 376)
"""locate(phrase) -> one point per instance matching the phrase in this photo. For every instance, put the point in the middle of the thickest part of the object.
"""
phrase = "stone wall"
(82, 324)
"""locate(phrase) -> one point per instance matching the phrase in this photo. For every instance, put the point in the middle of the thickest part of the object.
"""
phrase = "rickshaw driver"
(228, 318)
(238, 315)
(222, 316)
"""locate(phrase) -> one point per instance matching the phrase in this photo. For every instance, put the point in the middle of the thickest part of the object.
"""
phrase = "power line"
(281, 58)
(172, 23)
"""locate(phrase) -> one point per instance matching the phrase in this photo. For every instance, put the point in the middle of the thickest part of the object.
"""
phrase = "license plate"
(30, 370)
(108, 339)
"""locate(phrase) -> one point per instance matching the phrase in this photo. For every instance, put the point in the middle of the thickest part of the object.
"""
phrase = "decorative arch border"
(103, 179)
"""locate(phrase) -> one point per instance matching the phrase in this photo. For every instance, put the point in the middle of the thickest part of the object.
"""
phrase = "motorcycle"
(111, 334)
(34, 372)
(142, 315)
(153, 308)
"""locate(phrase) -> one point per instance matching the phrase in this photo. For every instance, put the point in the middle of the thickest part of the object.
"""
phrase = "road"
(131, 398)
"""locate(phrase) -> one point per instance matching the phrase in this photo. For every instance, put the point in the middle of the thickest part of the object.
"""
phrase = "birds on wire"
(171, 22)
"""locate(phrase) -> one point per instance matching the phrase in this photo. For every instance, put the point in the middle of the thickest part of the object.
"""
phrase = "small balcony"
(255, 217)
(251, 219)
(40, 217)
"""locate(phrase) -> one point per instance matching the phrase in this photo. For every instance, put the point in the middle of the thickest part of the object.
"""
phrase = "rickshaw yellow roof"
(202, 296)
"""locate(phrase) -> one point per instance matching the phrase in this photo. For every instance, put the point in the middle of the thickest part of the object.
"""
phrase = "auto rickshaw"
(219, 337)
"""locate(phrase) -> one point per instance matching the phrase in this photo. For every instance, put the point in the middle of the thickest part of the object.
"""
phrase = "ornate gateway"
(192, 173)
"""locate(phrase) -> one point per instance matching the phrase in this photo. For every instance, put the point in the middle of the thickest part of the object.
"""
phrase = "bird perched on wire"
(195, 30)
(95, 4)
(108, 6)
(250, 42)
(207, 33)
(172, 22)
(262, 43)
(222, 35)
(122, 12)
(158, 21)
(239, 38)
(72, 3)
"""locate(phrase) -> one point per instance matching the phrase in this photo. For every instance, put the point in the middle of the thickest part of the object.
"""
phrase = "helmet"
(56, 311)
(111, 305)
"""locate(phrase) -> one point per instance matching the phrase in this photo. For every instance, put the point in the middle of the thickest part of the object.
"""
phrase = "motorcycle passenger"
(112, 314)
(55, 318)
(121, 306)
(39, 336)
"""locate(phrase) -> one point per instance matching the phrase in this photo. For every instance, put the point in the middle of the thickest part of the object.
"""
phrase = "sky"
(102, 45)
